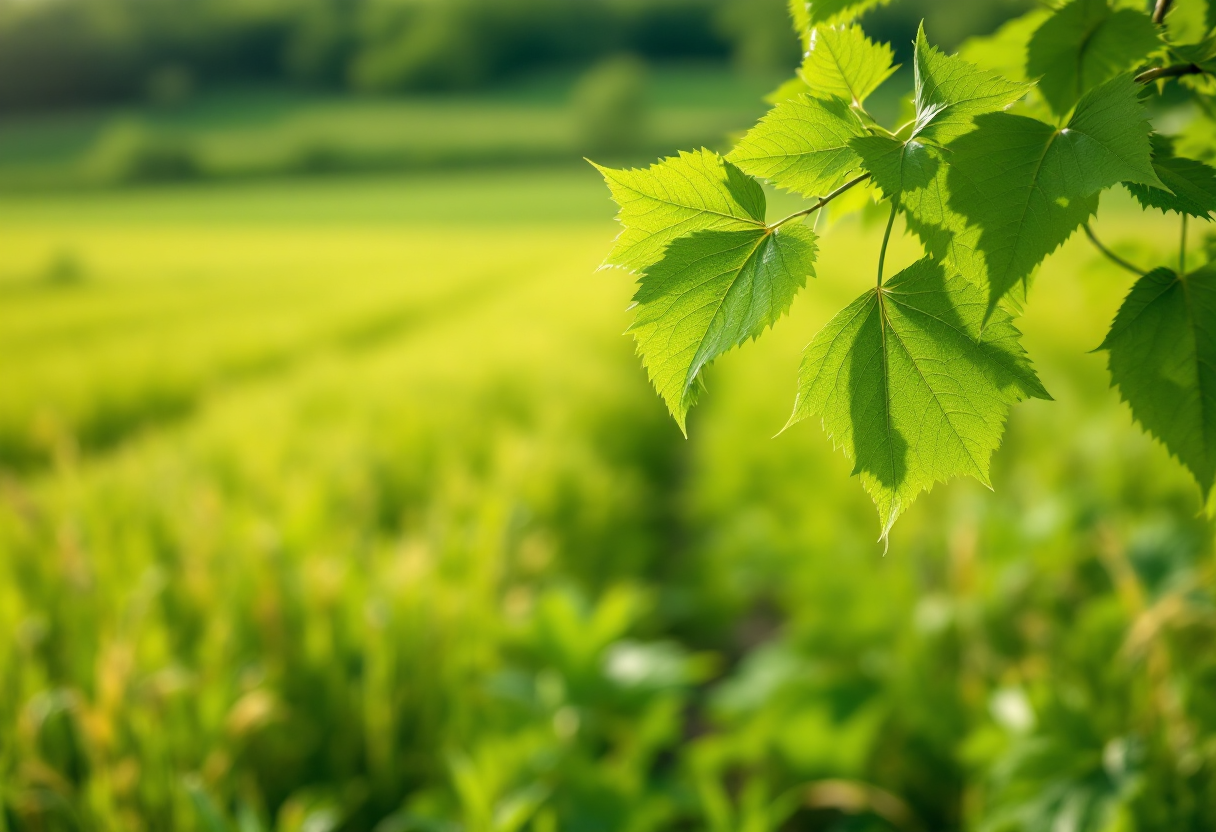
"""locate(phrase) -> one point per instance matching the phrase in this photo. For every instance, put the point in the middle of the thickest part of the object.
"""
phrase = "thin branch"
(1110, 255)
(808, 211)
(1175, 71)
(1163, 8)
(886, 238)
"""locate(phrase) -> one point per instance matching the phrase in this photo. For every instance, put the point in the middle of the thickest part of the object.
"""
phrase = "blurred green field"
(343, 504)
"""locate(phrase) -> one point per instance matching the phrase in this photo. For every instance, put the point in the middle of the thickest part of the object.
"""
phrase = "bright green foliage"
(1086, 43)
(1004, 51)
(1192, 183)
(678, 196)
(1202, 54)
(841, 61)
(803, 145)
(915, 378)
(951, 92)
(1024, 186)
(1008, 193)
(712, 291)
(1163, 360)
(913, 385)
(815, 12)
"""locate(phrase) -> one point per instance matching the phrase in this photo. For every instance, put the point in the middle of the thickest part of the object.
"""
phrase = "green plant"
(914, 380)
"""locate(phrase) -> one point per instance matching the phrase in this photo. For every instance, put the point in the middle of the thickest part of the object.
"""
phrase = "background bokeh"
(333, 498)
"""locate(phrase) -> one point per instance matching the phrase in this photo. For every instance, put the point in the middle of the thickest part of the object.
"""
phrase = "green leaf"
(999, 199)
(1202, 54)
(1004, 51)
(790, 89)
(842, 62)
(713, 291)
(1163, 360)
(1193, 184)
(1084, 44)
(800, 13)
(951, 92)
(914, 386)
(838, 11)
(802, 145)
(676, 197)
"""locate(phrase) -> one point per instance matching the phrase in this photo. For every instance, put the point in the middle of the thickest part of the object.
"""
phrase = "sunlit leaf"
(914, 386)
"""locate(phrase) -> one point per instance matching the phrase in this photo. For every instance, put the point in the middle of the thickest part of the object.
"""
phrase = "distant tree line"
(56, 53)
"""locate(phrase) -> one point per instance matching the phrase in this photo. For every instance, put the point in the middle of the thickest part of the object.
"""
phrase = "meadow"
(344, 504)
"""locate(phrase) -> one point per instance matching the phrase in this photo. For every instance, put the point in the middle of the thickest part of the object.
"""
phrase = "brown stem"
(1174, 71)
(1163, 8)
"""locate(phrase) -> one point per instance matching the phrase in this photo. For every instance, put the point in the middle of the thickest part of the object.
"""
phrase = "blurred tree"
(610, 103)
(760, 33)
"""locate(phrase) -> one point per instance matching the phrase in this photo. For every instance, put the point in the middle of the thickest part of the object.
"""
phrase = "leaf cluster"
(914, 380)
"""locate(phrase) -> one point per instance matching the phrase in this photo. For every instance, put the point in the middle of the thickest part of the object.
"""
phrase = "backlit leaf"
(676, 197)
(914, 386)
(951, 92)
(842, 62)
(802, 145)
(713, 291)
(837, 11)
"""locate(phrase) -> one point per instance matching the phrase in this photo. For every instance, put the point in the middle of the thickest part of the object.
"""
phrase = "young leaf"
(951, 92)
(1086, 43)
(802, 145)
(1192, 183)
(837, 11)
(914, 386)
(713, 291)
(842, 62)
(1163, 360)
(676, 197)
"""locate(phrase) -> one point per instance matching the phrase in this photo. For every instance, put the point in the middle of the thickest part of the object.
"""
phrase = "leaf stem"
(1110, 255)
(807, 211)
(1182, 249)
(886, 238)
(1175, 71)
(1163, 8)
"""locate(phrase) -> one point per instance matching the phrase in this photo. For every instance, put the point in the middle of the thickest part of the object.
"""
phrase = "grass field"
(343, 504)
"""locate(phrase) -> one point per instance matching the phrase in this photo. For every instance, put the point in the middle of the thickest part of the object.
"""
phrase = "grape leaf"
(712, 291)
(914, 386)
(802, 145)
(1193, 184)
(1084, 44)
(676, 197)
(842, 62)
(1162, 349)
(950, 92)
(837, 11)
